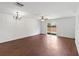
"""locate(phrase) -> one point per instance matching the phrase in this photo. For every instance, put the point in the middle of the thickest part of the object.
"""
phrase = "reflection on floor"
(39, 45)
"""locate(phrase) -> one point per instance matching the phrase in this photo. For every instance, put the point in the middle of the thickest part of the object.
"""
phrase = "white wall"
(77, 29)
(11, 29)
(77, 32)
(65, 26)
(43, 27)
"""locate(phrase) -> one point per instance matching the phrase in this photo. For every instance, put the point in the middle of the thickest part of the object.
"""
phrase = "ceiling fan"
(43, 18)
(19, 4)
(18, 15)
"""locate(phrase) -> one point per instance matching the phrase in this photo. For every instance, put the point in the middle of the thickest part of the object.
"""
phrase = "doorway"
(51, 28)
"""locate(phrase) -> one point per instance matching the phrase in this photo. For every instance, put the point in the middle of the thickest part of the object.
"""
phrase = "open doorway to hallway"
(51, 28)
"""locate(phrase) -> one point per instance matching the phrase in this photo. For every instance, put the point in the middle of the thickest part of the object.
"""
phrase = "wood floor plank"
(39, 45)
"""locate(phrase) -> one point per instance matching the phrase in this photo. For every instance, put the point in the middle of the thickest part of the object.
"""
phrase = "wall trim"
(67, 37)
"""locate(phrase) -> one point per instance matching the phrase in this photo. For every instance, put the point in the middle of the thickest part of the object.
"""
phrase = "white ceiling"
(51, 10)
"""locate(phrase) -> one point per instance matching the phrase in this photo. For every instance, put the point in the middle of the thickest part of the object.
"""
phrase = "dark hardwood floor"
(39, 45)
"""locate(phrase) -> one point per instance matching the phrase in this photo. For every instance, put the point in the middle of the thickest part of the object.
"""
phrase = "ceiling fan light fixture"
(43, 18)
(18, 16)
